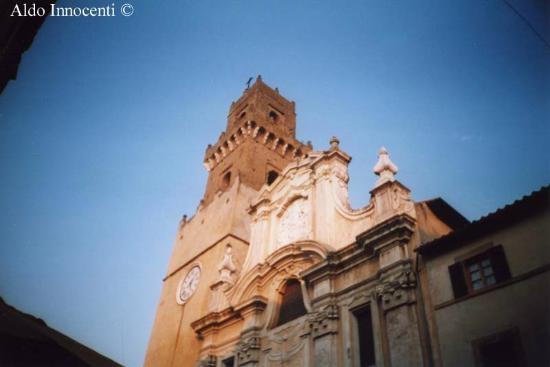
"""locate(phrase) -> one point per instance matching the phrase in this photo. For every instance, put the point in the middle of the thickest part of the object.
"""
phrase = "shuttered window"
(479, 272)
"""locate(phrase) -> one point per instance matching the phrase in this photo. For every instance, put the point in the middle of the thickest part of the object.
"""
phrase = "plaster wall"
(523, 304)
(173, 341)
(525, 245)
(226, 214)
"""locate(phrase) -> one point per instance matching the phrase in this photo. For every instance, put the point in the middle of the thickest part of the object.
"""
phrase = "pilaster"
(395, 293)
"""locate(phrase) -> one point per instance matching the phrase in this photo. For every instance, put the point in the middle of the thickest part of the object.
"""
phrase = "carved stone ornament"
(209, 361)
(323, 172)
(249, 351)
(401, 200)
(294, 224)
(395, 290)
(324, 321)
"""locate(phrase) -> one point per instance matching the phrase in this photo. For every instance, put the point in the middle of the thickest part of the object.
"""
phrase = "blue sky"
(103, 133)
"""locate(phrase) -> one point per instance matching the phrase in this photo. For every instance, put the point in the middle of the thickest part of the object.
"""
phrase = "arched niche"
(290, 303)
(287, 262)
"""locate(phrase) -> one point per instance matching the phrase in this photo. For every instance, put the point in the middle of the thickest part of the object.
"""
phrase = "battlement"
(266, 106)
(289, 148)
(257, 144)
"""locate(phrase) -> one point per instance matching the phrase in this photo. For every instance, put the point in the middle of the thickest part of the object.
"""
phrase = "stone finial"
(384, 167)
(334, 143)
(259, 78)
(183, 221)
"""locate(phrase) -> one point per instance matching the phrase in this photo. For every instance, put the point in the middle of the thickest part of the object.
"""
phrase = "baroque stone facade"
(289, 274)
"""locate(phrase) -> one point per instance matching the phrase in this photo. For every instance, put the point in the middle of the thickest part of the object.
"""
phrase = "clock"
(188, 285)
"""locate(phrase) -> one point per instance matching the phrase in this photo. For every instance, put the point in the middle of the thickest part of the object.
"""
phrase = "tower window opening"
(226, 180)
(271, 177)
(292, 303)
(273, 116)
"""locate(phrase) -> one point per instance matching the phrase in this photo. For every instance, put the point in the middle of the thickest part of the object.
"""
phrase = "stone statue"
(227, 266)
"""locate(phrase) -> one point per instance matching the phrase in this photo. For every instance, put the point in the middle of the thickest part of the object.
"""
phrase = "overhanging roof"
(536, 202)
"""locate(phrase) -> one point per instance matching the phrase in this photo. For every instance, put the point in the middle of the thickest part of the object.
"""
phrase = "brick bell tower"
(258, 143)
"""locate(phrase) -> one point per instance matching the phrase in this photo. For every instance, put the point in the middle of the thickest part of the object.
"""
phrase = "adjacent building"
(16, 36)
(487, 285)
(27, 341)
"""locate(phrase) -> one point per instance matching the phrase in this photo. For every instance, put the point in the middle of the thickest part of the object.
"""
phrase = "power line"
(526, 21)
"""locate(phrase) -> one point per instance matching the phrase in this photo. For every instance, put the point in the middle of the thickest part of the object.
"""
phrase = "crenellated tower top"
(259, 141)
(264, 105)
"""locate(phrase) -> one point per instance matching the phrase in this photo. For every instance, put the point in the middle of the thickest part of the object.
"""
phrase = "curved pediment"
(287, 262)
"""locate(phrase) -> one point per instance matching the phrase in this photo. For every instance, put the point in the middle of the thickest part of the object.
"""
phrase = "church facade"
(277, 269)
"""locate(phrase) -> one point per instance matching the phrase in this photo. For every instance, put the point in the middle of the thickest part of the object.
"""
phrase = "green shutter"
(457, 280)
(500, 265)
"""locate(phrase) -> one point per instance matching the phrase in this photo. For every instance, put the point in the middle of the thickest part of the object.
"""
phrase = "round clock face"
(189, 284)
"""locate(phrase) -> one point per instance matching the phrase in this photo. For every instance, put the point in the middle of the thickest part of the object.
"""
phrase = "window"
(479, 272)
(271, 177)
(273, 116)
(365, 337)
(228, 362)
(292, 305)
(499, 350)
(226, 180)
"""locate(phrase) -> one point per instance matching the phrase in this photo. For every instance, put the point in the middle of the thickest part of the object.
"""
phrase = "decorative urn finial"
(334, 143)
(384, 168)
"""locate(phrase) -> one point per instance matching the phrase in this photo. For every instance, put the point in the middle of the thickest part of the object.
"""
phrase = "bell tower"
(210, 247)
(259, 141)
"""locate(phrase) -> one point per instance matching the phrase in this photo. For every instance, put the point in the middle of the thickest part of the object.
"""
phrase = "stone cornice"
(171, 273)
(384, 185)
(216, 320)
(395, 230)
